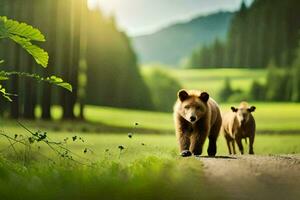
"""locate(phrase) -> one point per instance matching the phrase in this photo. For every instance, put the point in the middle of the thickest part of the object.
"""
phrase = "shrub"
(257, 91)
(163, 89)
(226, 91)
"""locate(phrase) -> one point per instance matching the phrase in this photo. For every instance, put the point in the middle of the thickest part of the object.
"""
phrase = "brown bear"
(237, 125)
(196, 117)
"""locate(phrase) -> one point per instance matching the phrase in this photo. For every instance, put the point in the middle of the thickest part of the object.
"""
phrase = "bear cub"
(196, 117)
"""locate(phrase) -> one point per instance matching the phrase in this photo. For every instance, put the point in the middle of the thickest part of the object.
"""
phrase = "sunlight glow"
(138, 17)
(93, 4)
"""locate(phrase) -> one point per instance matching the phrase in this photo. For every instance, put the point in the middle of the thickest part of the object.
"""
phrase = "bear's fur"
(237, 125)
(196, 117)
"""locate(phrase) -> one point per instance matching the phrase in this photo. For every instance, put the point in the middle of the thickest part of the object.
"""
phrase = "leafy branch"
(23, 34)
(52, 79)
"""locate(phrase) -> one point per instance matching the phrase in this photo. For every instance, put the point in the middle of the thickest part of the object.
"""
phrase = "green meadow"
(212, 80)
(148, 167)
(270, 118)
(130, 154)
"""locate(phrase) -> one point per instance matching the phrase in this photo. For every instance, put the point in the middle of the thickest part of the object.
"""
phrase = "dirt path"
(255, 177)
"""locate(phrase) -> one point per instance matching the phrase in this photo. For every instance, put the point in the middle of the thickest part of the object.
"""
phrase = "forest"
(85, 48)
(264, 35)
(89, 51)
(266, 31)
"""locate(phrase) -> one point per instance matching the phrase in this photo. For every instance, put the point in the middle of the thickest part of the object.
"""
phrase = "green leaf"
(1, 61)
(40, 56)
(3, 76)
(23, 34)
(5, 94)
(22, 30)
(3, 30)
(59, 82)
(66, 86)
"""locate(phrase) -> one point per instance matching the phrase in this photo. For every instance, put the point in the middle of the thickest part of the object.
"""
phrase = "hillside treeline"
(85, 48)
(281, 85)
(267, 31)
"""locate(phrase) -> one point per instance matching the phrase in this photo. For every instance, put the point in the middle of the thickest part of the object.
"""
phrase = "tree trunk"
(83, 65)
(15, 58)
(68, 113)
(51, 47)
(30, 95)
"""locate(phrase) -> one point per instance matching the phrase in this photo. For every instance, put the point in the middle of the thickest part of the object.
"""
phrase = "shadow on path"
(218, 157)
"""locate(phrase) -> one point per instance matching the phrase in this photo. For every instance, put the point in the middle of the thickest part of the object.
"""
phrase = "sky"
(138, 17)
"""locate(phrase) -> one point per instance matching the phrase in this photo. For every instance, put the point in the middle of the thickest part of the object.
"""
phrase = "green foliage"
(113, 75)
(5, 94)
(23, 34)
(51, 80)
(228, 94)
(10, 27)
(238, 96)
(296, 77)
(264, 31)
(257, 91)
(226, 91)
(212, 80)
(281, 84)
(163, 88)
(278, 85)
(208, 56)
(40, 56)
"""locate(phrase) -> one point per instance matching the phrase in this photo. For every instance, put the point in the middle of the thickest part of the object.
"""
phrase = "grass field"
(270, 118)
(149, 167)
(211, 80)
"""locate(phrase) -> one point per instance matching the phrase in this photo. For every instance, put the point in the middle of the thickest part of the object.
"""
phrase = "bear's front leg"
(212, 146)
(197, 142)
(184, 143)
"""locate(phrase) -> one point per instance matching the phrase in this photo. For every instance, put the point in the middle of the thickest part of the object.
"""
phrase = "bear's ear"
(204, 96)
(251, 109)
(183, 95)
(234, 109)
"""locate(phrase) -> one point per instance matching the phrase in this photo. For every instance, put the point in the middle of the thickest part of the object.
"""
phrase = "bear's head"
(243, 112)
(193, 105)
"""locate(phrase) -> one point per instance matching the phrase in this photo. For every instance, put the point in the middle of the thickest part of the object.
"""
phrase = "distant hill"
(173, 43)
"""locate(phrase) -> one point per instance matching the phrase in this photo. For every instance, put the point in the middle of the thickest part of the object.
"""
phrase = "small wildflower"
(85, 150)
(74, 138)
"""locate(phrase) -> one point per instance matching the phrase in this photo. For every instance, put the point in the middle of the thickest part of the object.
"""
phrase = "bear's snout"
(192, 118)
